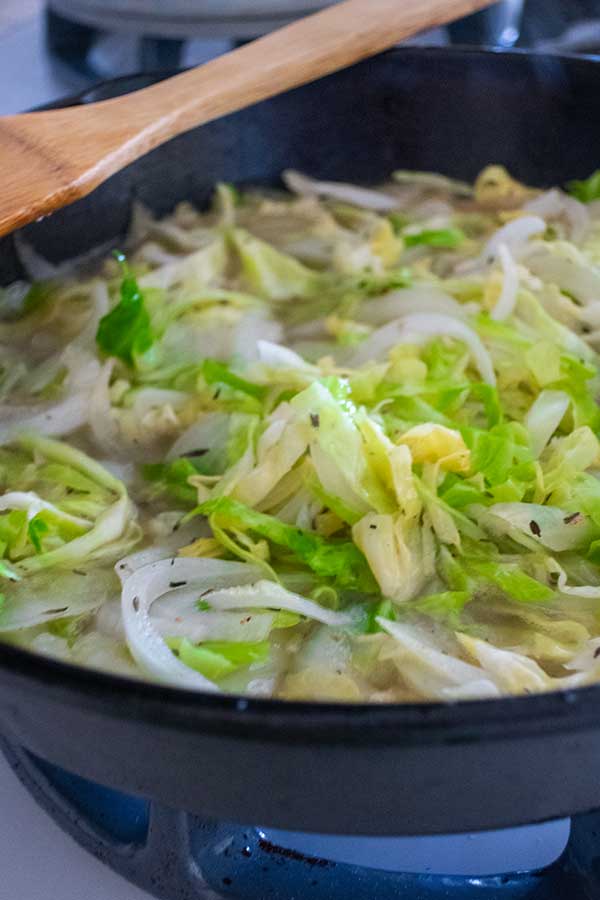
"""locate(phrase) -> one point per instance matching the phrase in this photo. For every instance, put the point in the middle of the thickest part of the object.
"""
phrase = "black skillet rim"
(257, 718)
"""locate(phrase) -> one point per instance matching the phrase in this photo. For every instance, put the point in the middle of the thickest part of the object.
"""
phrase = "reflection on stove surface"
(484, 853)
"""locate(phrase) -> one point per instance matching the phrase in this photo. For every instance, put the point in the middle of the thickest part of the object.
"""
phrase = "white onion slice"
(29, 501)
(150, 582)
(38, 268)
(554, 203)
(179, 617)
(251, 328)
(421, 298)
(270, 595)
(279, 357)
(429, 670)
(168, 546)
(510, 286)
(146, 399)
(208, 432)
(100, 419)
(50, 421)
(586, 591)
(346, 193)
(547, 205)
(445, 326)
(544, 417)
(514, 235)
(100, 307)
(573, 275)
(413, 329)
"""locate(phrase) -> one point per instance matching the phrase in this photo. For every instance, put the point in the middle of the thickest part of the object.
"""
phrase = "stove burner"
(176, 856)
(92, 44)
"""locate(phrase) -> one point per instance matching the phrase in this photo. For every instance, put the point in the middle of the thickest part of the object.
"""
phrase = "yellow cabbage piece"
(432, 443)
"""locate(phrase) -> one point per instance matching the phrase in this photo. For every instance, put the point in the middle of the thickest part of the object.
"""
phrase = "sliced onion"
(179, 618)
(51, 421)
(555, 203)
(167, 543)
(445, 326)
(377, 345)
(38, 268)
(547, 205)
(514, 235)
(421, 298)
(544, 417)
(574, 275)
(252, 328)
(29, 501)
(146, 399)
(346, 193)
(64, 417)
(100, 307)
(512, 672)
(586, 591)
(413, 329)
(510, 286)
(101, 420)
(208, 432)
(270, 595)
(200, 267)
(152, 581)
(431, 671)
(279, 357)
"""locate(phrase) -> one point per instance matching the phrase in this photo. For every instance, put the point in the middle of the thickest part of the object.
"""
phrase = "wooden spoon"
(49, 159)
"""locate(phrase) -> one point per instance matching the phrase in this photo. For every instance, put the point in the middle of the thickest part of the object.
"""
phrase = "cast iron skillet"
(352, 769)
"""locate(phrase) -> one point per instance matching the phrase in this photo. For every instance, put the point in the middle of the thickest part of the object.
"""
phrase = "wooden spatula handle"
(307, 49)
(49, 159)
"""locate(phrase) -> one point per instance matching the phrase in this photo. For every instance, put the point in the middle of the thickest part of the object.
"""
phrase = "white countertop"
(39, 862)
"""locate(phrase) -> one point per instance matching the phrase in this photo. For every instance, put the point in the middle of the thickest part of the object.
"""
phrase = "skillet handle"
(176, 856)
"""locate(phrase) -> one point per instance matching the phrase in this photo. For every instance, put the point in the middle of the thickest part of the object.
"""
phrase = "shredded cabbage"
(340, 443)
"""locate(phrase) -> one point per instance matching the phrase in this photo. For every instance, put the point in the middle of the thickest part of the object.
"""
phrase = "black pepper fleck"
(535, 528)
(596, 652)
(176, 584)
(136, 604)
(315, 420)
(573, 519)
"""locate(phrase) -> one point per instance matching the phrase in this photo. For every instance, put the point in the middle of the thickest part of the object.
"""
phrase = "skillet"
(412, 769)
